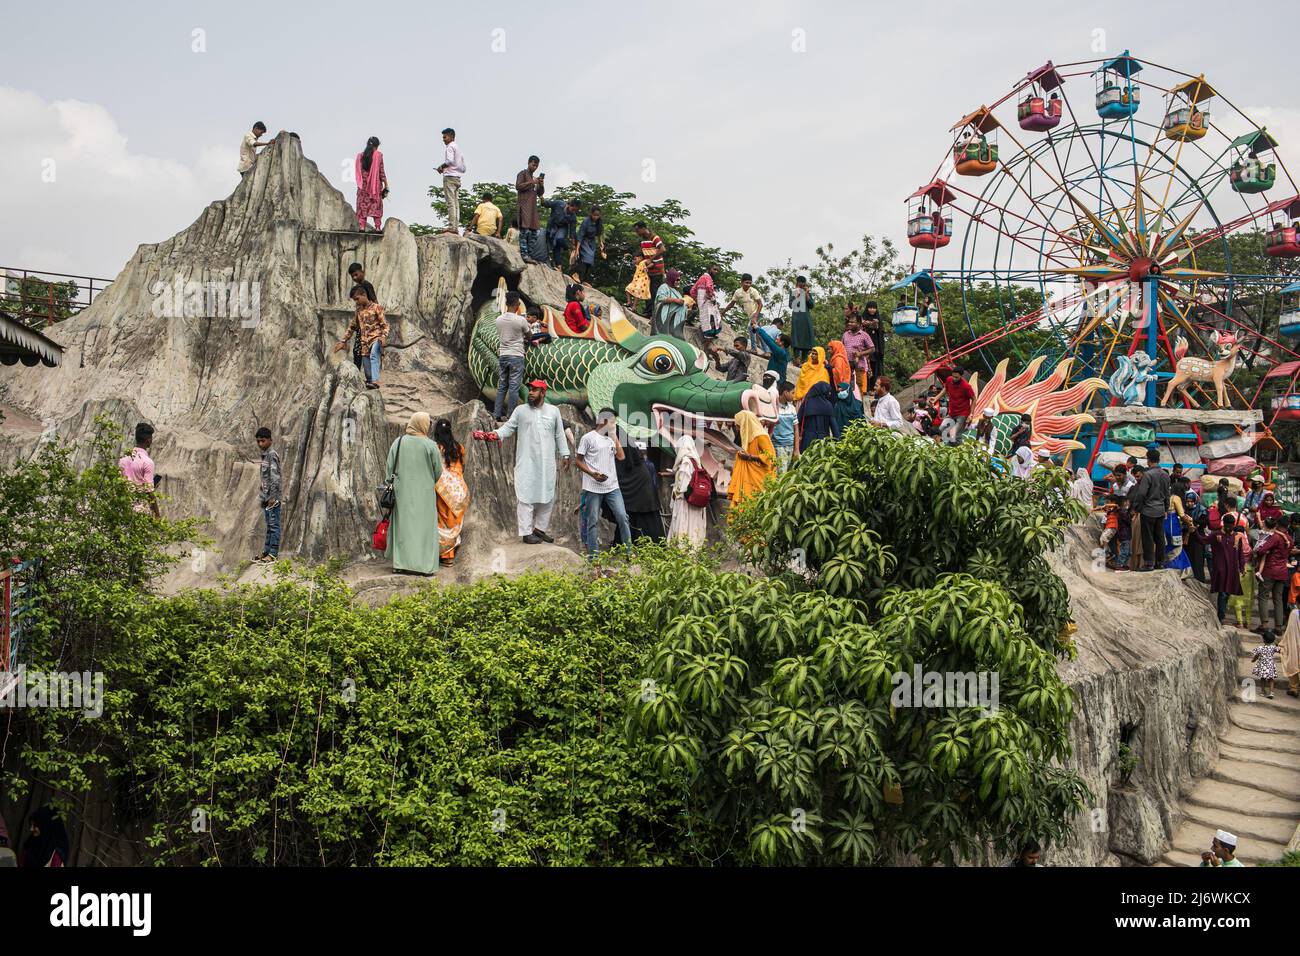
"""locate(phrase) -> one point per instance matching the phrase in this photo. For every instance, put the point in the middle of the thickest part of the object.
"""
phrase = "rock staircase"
(1254, 789)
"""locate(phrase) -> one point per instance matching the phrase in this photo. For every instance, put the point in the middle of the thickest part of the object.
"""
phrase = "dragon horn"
(625, 333)
(501, 295)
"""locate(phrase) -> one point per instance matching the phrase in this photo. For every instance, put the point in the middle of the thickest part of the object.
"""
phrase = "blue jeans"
(272, 515)
(527, 243)
(1125, 552)
(370, 364)
(510, 372)
(591, 517)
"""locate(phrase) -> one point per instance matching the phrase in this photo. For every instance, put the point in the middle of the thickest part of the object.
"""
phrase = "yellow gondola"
(1186, 119)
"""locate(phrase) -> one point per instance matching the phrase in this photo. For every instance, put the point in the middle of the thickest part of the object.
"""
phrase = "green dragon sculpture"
(658, 385)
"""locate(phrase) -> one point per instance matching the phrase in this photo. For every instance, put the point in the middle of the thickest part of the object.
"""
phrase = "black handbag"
(386, 494)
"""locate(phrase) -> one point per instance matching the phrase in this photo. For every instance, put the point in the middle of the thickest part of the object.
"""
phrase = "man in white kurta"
(539, 440)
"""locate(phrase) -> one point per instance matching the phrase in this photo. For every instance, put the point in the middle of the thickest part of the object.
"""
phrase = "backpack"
(700, 492)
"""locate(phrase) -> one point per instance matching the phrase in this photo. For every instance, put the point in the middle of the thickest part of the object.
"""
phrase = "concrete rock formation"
(229, 326)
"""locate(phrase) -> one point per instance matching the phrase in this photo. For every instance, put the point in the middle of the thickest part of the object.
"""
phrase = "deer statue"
(1195, 369)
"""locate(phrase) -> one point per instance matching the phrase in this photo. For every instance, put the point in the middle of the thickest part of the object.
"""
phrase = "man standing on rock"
(452, 169)
(513, 333)
(530, 185)
(540, 440)
(1150, 499)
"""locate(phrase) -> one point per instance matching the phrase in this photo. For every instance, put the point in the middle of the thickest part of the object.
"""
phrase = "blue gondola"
(1288, 321)
(918, 318)
(1117, 96)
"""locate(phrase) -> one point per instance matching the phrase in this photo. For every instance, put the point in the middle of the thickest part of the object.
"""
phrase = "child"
(1124, 534)
(269, 496)
(785, 434)
(536, 334)
(575, 313)
(1110, 531)
(1265, 658)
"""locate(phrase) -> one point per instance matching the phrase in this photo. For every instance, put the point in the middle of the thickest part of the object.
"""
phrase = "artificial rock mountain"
(207, 383)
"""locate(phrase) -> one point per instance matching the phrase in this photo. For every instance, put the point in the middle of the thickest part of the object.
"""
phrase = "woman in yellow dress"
(638, 290)
(755, 461)
(452, 491)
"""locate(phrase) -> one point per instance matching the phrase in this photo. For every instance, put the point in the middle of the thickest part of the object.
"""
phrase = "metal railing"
(40, 299)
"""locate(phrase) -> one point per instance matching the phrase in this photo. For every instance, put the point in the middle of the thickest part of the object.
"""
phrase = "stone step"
(1280, 783)
(1264, 758)
(1179, 858)
(1281, 702)
(1217, 795)
(1251, 739)
(1262, 718)
(1247, 827)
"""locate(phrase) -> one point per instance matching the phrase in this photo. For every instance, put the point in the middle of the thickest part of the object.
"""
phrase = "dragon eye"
(658, 360)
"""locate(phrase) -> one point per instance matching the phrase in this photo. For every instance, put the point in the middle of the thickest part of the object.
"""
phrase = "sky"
(781, 126)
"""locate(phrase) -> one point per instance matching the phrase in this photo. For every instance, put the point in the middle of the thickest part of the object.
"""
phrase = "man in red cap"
(540, 440)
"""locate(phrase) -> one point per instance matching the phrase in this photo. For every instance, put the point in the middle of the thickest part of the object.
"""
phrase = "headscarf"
(687, 450)
(39, 850)
(672, 276)
(419, 425)
(841, 372)
(1024, 462)
(750, 427)
(1268, 510)
(1081, 489)
(1289, 660)
(819, 401)
(811, 372)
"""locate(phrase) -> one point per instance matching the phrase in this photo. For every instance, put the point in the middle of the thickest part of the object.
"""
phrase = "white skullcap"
(1224, 837)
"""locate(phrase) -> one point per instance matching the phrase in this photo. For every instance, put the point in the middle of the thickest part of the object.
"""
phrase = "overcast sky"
(780, 125)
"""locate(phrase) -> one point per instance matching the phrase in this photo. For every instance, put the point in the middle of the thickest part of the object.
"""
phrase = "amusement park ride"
(1118, 217)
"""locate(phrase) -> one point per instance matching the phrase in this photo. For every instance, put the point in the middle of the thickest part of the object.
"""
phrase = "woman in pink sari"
(372, 186)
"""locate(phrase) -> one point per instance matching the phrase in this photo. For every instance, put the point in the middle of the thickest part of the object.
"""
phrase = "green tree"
(775, 700)
(39, 302)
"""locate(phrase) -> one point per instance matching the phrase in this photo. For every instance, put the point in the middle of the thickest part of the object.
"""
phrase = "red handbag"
(379, 540)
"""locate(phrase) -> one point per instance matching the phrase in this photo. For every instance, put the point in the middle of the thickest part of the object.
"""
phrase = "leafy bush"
(774, 698)
(468, 726)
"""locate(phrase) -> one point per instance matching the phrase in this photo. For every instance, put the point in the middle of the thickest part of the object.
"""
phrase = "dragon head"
(662, 388)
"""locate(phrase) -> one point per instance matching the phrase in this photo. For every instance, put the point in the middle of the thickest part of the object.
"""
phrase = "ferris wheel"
(1095, 200)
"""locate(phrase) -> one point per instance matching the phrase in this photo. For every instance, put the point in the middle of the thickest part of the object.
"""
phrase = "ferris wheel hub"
(1141, 268)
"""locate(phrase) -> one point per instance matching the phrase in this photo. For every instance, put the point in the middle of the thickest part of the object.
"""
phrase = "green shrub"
(774, 702)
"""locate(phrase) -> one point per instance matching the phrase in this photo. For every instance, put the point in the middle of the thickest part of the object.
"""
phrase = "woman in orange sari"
(452, 492)
(755, 460)
(841, 371)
